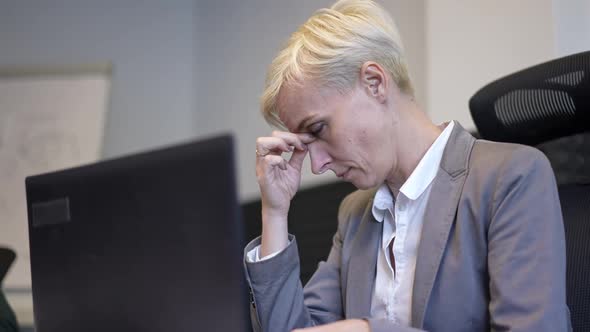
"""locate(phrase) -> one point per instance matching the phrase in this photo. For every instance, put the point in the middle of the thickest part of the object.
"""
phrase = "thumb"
(297, 158)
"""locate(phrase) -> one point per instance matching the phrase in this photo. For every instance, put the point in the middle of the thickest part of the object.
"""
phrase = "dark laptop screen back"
(150, 242)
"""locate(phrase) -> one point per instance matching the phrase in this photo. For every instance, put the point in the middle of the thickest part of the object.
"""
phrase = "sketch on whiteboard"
(46, 124)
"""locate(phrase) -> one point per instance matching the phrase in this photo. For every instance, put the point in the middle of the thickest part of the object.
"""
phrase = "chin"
(364, 183)
(362, 186)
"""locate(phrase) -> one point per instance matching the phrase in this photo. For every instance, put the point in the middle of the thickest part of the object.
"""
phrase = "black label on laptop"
(52, 212)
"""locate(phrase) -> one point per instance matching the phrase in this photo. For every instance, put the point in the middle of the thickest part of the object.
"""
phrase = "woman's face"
(354, 132)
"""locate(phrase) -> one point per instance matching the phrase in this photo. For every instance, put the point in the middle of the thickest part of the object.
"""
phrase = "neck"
(415, 135)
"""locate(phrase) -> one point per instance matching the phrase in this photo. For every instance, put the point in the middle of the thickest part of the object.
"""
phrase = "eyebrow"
(305, 120)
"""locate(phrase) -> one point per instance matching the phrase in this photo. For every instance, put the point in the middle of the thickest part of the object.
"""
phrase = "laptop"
(150, 242)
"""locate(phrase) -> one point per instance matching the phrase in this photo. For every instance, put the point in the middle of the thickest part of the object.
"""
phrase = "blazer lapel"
(362, 266)
(438, 218)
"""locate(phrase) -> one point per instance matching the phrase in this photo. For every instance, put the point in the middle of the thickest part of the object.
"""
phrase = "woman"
(447, 233)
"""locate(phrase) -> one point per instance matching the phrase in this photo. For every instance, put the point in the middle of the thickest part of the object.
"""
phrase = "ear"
(374, 80)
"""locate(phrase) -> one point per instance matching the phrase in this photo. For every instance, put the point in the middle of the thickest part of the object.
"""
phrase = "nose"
(320, 158)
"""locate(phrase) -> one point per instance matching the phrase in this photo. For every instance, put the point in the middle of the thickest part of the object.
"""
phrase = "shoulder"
(504, 159)
(505, 177)
(500, 171)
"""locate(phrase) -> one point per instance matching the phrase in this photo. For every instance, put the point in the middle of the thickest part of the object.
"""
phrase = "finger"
(309, 329)
(297, 159)
(275, 161)
(290, 138)
(306, 138)
(266, 145)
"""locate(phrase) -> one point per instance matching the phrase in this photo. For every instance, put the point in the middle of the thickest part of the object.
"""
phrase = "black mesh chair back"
(537, 104)
(575, 205)
(548, 106)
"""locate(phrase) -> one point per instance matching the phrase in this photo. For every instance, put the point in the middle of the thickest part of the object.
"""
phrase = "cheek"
(357, 143)
(353, 141)
(363, 144)
(364, 137)
(369, 144)
(376, 154)
(361, 153)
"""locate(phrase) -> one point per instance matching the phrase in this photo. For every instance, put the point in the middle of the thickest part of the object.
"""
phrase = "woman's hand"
(278, 178)
(348, 325)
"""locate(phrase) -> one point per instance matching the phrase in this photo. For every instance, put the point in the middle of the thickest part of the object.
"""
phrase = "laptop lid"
(149, 242)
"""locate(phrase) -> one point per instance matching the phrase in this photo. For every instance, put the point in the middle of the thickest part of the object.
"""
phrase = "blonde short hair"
(330, 48)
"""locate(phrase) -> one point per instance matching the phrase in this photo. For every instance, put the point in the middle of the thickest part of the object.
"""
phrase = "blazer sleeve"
(526, 248)
(278, 300)
(8, 321)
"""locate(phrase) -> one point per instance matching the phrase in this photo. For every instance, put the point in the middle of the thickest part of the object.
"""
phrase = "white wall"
(149, 42)
(572, 26)
(471, 43)
(236, 42)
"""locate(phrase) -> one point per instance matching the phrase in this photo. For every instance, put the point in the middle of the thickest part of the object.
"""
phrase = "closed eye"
(317, 128)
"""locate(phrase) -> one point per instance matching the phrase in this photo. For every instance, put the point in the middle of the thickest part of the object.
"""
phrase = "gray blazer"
(491, 255)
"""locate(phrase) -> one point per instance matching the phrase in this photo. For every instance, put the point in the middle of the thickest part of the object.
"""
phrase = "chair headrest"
(537, 104)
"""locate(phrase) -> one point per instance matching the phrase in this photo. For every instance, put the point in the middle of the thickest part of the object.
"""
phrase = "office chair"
(548, 106)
